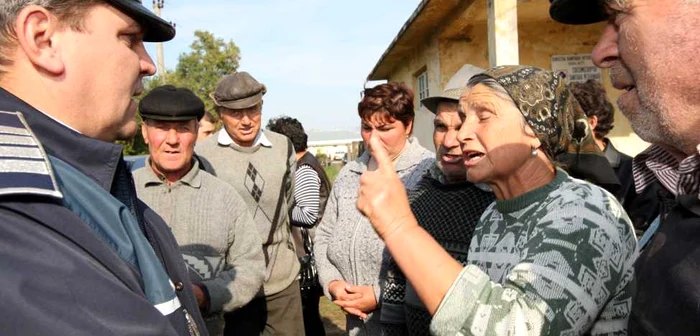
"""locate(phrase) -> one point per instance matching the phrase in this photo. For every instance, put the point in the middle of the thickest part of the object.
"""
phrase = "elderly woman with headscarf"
(553, 255)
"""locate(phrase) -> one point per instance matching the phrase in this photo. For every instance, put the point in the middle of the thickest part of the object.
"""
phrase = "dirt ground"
(333, 318)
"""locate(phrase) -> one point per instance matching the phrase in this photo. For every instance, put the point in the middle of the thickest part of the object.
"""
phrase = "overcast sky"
(313, 55)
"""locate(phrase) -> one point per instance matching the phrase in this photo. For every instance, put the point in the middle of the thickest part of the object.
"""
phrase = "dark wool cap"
(577, 12)
(171, 104)
(238, 91)
(155, 28)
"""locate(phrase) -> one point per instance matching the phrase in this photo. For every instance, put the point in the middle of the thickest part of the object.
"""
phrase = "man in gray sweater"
(209, 219)
(260, 165)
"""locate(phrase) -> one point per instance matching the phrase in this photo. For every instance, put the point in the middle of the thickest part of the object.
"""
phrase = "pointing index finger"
(379, 153)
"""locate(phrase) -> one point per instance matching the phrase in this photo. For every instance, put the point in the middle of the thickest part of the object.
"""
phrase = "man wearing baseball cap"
(651, 50)
(81, 255)
(260, 165)
(210, 220)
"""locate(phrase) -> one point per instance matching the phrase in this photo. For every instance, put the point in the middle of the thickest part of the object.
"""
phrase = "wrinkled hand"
(360, 307)
(339, 290)
(382, 197)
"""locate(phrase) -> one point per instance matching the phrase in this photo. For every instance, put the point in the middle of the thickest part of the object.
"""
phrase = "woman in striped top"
(311, 189)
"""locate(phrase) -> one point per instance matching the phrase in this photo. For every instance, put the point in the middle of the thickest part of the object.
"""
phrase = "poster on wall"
(576, 68)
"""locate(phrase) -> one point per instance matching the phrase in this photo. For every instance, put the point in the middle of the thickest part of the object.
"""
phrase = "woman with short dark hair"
(349, 253)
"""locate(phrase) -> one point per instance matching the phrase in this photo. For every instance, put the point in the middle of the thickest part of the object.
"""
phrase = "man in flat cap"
(260, 165)
(444, 203)
(210, 220)
(651, 47)
(81, 255)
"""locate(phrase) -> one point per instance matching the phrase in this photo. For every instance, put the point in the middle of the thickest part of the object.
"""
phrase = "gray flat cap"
(454, 88)
(238, 91)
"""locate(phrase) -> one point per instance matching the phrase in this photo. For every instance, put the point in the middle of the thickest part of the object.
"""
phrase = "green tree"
(199, 70)
(209, 59)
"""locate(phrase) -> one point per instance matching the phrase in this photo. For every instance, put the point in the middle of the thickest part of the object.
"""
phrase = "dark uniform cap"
(238, 91)
(171, 104)
(578, 11)
(155, 28)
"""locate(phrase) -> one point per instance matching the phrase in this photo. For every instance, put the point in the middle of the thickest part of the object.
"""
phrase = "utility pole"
(157, 7)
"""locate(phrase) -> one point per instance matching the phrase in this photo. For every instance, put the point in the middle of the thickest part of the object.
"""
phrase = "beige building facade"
(443, 35)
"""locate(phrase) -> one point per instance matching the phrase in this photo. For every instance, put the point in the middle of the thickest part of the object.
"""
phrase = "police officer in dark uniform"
(80, 254)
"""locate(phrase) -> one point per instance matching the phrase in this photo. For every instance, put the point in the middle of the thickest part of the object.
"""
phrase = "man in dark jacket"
(80, 254)
(642, 208)
(651, 50)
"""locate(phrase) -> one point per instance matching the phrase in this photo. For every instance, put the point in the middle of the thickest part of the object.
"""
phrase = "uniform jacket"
(59, 277)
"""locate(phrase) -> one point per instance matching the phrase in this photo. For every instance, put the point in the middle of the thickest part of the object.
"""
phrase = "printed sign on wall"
(576, 68)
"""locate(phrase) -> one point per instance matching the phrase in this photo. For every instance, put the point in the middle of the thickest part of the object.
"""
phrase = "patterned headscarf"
(557, 119)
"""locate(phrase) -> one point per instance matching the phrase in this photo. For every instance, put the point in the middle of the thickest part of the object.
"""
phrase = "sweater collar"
(225, 139)
(192, 178)
(533, 196)
(95, 158)
(412, 154)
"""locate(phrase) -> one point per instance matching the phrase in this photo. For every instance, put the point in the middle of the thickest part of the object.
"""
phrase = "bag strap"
(282, 196)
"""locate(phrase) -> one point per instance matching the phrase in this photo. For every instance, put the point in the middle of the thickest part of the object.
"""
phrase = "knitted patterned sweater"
(347, 248)
(448, 212)
(263, 176)
(557, 260)
(216, 234)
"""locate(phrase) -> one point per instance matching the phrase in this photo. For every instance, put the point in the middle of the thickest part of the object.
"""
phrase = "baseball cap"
(454, 87)
(577, 12)
(156, 29)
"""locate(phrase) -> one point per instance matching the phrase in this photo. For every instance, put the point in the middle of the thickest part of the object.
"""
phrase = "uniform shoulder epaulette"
(25, 168)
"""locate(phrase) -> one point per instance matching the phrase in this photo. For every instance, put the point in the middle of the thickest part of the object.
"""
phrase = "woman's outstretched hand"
(382, 197)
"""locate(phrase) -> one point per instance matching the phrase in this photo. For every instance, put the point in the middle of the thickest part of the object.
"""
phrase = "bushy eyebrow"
(133, 28)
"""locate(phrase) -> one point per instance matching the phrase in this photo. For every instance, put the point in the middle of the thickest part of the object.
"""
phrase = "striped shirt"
(658, 164)
(307, 186)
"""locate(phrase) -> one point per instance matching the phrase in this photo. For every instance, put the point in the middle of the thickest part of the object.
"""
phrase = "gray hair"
(490, 83)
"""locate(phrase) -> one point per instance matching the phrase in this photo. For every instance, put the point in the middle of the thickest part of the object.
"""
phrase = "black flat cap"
(578, 12)
(171, 104)
(156, 29)
(238, 91)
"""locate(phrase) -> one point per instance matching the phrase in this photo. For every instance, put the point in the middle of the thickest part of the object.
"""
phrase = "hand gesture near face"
(382, 197)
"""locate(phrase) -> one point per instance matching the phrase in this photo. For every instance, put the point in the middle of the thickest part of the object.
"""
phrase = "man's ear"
(593, 121)
(144, 132)
(36, 30)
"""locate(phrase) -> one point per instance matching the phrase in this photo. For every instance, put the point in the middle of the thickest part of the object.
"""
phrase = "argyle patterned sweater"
(557, 260)
(263, 176)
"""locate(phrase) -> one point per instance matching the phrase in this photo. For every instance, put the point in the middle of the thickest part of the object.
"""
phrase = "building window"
(422, 86)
